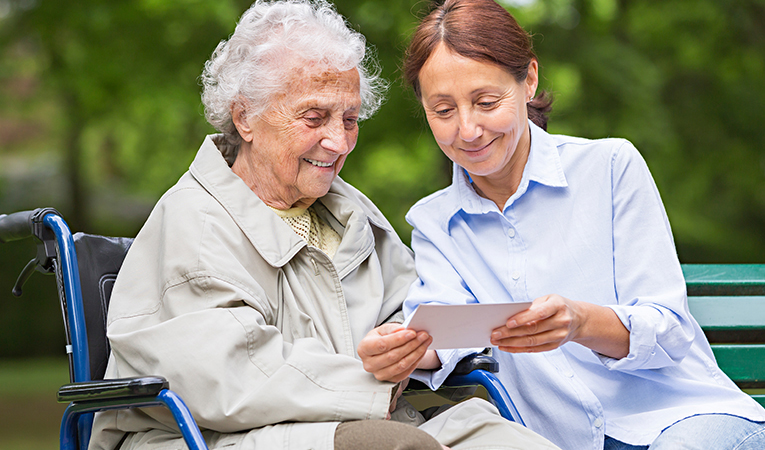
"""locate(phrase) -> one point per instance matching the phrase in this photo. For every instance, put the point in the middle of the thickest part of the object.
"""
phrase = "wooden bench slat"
(728, 312)
(742, 363)
(728, 301)
(725, 279)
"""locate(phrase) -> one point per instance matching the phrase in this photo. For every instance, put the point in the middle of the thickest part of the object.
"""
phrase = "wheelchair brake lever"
(43, 262)
(24, 276)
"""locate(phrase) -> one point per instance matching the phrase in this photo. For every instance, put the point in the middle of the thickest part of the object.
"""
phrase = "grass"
(29, 413)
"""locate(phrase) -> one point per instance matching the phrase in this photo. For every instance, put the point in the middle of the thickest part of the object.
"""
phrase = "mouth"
(318, 163)
(478, 149)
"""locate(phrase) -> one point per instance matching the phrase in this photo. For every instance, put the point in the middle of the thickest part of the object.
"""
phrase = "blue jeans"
(703, 432)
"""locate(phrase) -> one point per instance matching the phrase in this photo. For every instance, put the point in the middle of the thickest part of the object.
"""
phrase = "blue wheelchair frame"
(57, 254)
(464, 375)
(89, 397)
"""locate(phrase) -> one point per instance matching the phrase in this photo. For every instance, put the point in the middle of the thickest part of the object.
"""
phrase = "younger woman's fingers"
(548, 340)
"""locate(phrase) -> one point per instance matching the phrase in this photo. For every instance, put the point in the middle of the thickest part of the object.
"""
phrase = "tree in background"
(118, 80)
(100, 111)
(683, 80)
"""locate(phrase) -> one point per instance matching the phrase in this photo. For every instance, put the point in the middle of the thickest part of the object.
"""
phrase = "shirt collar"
(543, 167)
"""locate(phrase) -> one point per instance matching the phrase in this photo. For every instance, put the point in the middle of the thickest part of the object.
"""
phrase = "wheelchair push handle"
(22, 224)
(15, 226)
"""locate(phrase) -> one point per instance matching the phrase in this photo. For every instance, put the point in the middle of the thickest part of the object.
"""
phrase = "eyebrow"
(439, 96)
(473, 92)
(314, 103)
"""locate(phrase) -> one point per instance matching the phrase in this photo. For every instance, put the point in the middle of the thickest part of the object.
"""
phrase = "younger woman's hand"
(552, 320)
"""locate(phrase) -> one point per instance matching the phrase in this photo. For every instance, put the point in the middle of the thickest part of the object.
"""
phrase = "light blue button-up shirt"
(587, 223)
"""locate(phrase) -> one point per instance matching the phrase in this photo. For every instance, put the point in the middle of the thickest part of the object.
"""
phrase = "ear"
(240, 118)
(532, 79)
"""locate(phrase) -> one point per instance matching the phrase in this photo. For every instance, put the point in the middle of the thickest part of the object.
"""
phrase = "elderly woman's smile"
(292, 152)
(318, 163)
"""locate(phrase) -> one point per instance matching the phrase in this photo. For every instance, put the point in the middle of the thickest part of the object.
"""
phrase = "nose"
(469, 129)
(335, 137)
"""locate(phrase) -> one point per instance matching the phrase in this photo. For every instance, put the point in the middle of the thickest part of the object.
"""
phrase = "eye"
(488, 104)
(443, 112)
(350, 122)
(313, 119)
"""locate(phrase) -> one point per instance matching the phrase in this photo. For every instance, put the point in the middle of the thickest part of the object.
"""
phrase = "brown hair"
(481, 30)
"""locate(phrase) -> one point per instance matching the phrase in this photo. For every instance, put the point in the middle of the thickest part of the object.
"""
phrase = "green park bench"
(728, 301)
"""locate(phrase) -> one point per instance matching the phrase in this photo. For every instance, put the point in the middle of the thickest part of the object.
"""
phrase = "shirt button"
(511, 233)
(598, 422)
(516, 275)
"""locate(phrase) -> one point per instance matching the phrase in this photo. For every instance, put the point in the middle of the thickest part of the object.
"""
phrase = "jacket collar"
(543, 167)
(253, 216)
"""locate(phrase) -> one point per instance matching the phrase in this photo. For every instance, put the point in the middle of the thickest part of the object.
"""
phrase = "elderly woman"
(608, 356)
(258, 274)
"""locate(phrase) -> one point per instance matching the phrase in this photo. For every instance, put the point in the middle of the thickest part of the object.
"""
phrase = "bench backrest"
(728, 301)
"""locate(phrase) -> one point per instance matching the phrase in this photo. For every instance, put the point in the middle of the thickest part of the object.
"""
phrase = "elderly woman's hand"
(552, 320)
(391, 352)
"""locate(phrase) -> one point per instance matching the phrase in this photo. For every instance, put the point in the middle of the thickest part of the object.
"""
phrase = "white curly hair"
(250, 65)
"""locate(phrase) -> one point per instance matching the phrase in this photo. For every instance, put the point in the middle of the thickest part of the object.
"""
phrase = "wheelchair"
(85, 267)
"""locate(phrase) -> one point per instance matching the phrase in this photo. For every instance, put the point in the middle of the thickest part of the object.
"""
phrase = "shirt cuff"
(449, 359)
(643, 342)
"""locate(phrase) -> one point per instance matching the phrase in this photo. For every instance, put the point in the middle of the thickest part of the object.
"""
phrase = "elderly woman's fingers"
(400, 367)
(383, 339)
(391, 353)
(396, 363)
(394, 355)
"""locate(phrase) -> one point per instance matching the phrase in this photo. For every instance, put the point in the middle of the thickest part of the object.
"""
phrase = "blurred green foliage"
(29, 414)
(100, 114)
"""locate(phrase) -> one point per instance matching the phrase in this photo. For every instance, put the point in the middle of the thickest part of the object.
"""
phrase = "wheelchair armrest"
(92, 396)
(468, 364)
(474, 370)
(476, 361)
(112, 389)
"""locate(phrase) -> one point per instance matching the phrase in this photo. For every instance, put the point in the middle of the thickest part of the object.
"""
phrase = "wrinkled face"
(476, 111)
(293, 151)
